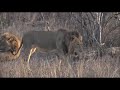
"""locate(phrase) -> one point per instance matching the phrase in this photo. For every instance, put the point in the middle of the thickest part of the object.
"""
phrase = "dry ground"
(61, 68)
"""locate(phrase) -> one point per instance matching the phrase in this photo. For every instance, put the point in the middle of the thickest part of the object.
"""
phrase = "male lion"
(62, 40)
(9, 46)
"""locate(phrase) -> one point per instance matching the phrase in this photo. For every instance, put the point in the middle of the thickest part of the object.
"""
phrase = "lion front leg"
(29, 56)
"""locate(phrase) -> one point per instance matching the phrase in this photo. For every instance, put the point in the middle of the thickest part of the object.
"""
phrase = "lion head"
(73, 39)
(9, 45)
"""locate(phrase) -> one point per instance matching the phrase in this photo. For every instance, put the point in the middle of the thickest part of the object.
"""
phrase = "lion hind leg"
(31, 52)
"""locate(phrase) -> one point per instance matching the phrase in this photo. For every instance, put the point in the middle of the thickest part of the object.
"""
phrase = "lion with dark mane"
(62, 40)
(9, 46)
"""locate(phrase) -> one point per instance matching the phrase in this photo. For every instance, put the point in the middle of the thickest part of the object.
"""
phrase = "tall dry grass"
(61, 68)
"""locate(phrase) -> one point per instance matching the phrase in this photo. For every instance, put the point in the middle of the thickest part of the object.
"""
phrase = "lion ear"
(73, 36)
(75, 33)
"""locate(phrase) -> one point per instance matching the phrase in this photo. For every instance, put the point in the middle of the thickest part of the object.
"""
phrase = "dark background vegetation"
(87, 23)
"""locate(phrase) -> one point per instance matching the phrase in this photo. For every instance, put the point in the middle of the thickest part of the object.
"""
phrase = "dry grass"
(59, 68)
